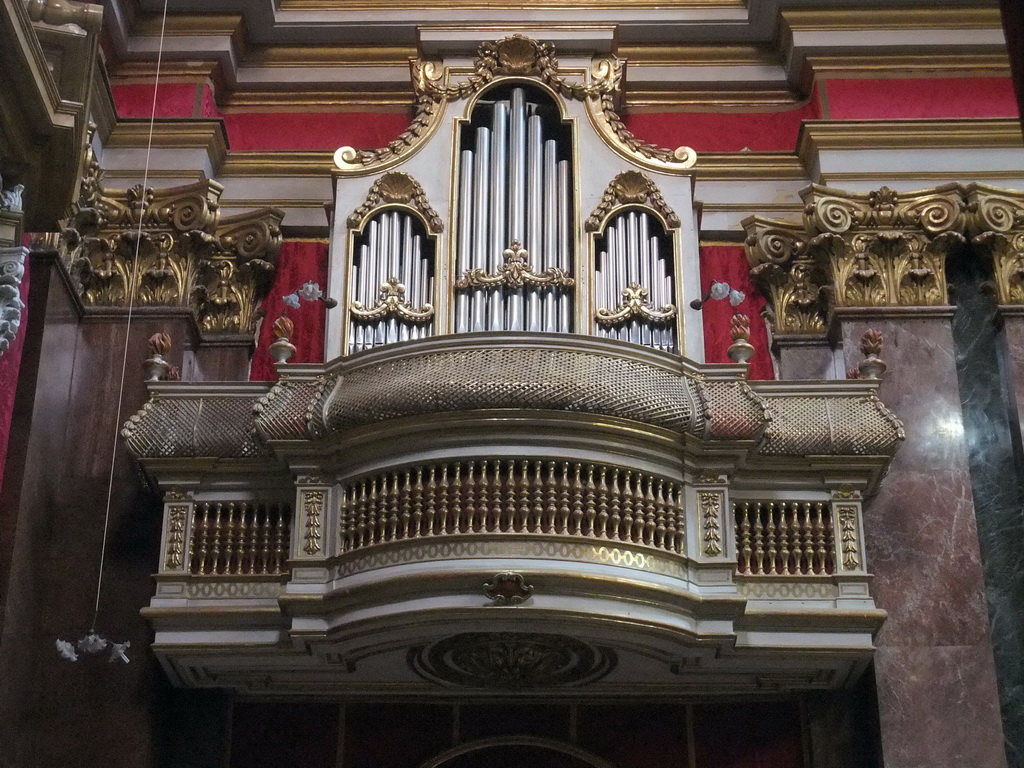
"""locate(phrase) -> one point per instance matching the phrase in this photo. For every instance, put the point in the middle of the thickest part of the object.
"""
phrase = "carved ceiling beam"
(995, 222)
(170, 247)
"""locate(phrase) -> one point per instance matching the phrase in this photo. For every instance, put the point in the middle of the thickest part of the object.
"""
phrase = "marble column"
(934, 664)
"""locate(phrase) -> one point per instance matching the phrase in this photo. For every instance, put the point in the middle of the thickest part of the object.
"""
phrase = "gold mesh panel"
(523, 378)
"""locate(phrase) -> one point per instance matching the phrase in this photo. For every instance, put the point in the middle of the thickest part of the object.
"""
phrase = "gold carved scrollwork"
(630, 187)
(312, 510)
(170, 247)
(392, 303)
(635, 305)
(515, 56)
(996, 225)
(400, 188)
(515, 272)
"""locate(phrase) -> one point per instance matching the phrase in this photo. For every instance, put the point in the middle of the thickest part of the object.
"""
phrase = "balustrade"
(784, 538)
(239, 539)
(513, 496)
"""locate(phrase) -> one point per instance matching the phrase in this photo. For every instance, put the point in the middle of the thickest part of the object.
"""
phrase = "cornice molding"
(253, 75)
(208, 134)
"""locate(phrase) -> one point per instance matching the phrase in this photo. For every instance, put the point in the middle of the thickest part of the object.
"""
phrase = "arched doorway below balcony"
(516, 752)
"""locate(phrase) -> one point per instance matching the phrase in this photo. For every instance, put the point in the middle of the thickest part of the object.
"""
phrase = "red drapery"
(728, 264)
(300, 261)
(10, 364)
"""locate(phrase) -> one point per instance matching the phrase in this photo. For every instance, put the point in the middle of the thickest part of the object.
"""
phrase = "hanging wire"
(128, 323)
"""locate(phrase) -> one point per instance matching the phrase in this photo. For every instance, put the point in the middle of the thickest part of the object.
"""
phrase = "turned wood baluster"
(745, 548)
(457, 500)
(758, 539)
(590, 496)
(442, 496)
(602, 504)
(577, 499)
(524, 497)
(616, 500)
(660, 529)
(427, 519)
(783, 539)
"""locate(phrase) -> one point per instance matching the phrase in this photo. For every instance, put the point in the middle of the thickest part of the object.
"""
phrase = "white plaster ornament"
(718, 292)
(309, 291)
(92, 644)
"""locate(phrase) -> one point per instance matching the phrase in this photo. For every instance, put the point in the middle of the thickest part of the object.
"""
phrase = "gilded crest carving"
(515, 272)
(392, 303)
(400, 188)
(635, 304)
(630, 187)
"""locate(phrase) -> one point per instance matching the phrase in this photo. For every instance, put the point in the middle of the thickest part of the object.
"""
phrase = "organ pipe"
(514, 198)
(392, 283)
(633, 278)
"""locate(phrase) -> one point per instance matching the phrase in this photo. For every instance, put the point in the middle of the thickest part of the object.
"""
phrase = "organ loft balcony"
(515, 472)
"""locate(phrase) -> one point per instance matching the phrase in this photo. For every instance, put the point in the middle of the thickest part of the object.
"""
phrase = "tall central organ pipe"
(512, 186)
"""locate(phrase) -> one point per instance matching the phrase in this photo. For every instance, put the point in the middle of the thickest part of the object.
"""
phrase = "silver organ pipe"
(513, 187)
(635, 250)
(390, 260)
(465, 243)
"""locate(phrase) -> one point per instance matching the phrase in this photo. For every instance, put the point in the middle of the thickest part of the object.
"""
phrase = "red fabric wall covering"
(934, 97)
(265, 131)
(10, 364)
(773, 131)
(172, 100)
(299, 262)
(728, 264)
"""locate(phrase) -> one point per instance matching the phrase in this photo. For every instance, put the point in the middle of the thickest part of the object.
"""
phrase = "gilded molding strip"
(312, 509)
(710, 512)
(176, 515)
(847, 515)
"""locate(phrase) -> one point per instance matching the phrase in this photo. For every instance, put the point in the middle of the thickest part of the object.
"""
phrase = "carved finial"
(741, 350)
(282, 350)
(873, 367)
(155, 367)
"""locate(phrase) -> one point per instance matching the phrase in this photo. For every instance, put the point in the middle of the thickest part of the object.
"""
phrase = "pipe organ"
(633, 282)
(522, 204)
(514, 188)
(392, 282)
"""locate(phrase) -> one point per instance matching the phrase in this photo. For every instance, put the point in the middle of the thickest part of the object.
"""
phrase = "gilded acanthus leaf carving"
(880, 249)
(782, 264)
(635, 304)
(996, 226)
(170, 247)
(515, 272)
